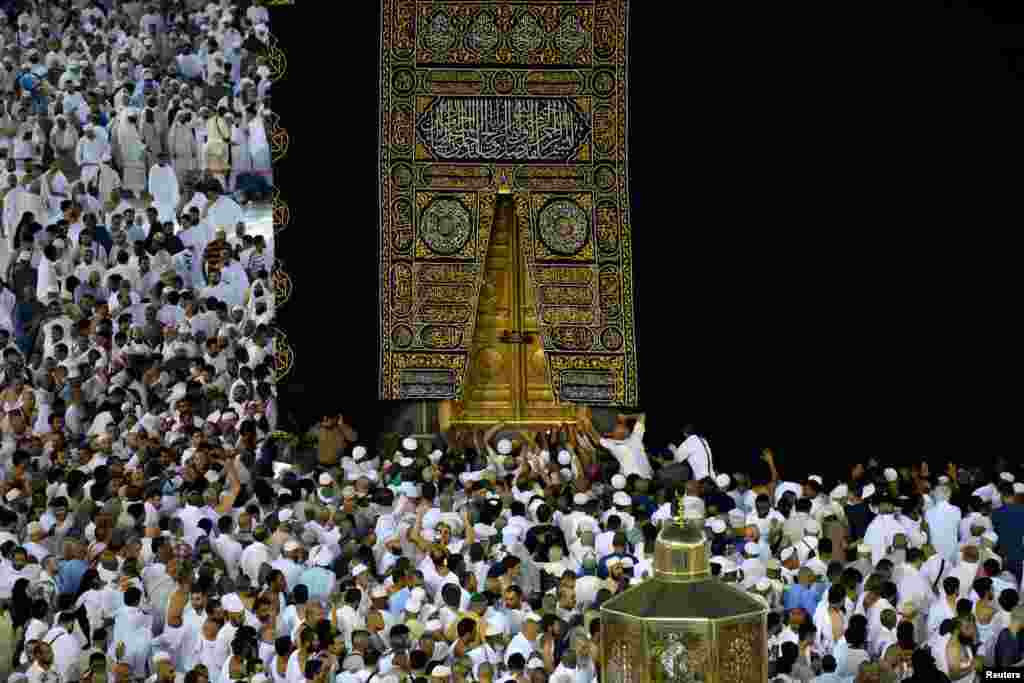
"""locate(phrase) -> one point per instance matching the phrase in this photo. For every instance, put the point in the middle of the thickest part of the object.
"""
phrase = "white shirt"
(944, 523)
(631, 454)
(252, 559)
(696, 451)
(67, 653)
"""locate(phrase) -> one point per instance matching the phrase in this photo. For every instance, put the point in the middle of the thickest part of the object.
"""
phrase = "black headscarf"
(21, 604)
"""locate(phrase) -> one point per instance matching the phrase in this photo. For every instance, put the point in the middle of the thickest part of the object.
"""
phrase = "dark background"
(820, 264)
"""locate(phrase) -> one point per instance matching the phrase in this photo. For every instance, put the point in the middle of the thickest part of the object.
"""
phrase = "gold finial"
(680, 510)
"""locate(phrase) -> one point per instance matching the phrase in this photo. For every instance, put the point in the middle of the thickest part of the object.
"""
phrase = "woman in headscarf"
(21, 614)
(133, 152)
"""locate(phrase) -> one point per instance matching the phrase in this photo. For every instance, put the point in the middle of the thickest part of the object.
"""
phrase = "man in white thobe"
(880, 533)
(944, 524)
(696, 452)
(163, 186)
(90, 153)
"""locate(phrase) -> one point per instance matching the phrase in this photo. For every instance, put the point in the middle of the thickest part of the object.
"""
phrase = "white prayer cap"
(325, 479)
(816, 478)
(564, 458)
(1018, 487)
(352, 663)
(622, 499)
(535, 662)
(580, 499)
(358, 451)
(1007, 477)
(763, 584)
(751, 549)
(839, 492)
(566, 473)
(409, 443)
(504, 446)
(232, 603)
(722, 481)
(891, 474)
(435, 456)
(868, 491)
(812, 527)
(440, 672)
(863, 549)
(358, 569)
(618, 482)
(717, 526)
(406, 462)
(787, 553)
(177, 393)
(291, 546)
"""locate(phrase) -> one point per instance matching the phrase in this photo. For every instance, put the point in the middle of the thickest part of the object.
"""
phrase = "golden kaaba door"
(507, 379)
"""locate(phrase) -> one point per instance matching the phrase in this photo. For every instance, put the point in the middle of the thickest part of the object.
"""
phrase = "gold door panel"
(507, 381)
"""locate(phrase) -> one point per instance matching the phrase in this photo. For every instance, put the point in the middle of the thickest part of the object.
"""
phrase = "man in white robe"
(881, 532)
(222, 212)
(218, 146)
(259, 149)
(133, 630)
(54, 189)
(181, 144)
(233, 275)
(944, 525)
(133, 153)
(241, 159)
(163, 187)
(90, 153)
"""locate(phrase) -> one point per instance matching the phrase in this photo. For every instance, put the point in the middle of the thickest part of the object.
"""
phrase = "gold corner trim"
(281, 212)
(276, 59)
(284, 355)
(278, 137)
(282, 284)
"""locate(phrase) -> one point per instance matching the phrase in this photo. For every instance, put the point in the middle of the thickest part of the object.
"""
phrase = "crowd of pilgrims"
(154, 526)
(210, 550)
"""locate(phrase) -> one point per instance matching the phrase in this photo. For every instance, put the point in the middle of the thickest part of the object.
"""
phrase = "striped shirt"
(256, 262)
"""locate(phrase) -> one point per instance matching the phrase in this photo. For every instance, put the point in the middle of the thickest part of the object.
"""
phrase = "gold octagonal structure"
(682, 625)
